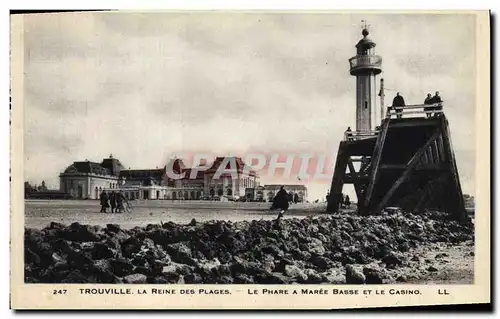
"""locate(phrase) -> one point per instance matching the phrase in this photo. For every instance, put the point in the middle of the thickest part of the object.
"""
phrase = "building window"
(229, 192)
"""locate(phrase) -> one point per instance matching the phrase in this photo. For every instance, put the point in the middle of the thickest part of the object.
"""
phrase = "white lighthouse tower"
(365, 66)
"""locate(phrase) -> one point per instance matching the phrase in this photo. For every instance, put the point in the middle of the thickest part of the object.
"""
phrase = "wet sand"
(40, 213)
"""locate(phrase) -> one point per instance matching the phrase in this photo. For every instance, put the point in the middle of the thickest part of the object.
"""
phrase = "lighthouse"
(365, 66)
(407, 162)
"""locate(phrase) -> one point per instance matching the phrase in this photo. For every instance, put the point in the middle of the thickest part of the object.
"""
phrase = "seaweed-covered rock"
(292, 250)
(353, 276)
(135, 279)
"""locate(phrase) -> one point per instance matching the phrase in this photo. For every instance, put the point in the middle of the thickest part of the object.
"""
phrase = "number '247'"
(60, 291)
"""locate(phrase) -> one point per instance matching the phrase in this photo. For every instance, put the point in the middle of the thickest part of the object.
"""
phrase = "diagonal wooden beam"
(377, 156)
(459, 210)
(410, 166)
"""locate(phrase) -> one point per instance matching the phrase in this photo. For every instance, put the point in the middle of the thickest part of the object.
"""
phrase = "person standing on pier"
(428, 109)
(348, 134)
(436, 99)
(397, 104)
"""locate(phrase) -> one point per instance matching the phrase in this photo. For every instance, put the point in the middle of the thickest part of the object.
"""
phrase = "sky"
(146, 86)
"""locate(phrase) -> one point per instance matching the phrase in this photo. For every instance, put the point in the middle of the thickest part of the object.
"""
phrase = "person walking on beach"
(280, 201)
(112, 201)
(104, 201)
(119, 202)
(347, 201)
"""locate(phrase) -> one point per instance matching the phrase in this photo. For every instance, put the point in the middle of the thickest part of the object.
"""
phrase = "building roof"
(113, 165)
(176, 164)
(108, 166)
(87, 167)
(199, 176)
(143, 174)
(240, 165)
(365, 42)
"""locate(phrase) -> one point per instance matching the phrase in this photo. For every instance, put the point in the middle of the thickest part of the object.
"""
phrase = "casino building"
(86, 180)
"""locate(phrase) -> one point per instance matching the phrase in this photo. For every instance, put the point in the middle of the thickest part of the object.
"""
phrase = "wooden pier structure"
(408, 162)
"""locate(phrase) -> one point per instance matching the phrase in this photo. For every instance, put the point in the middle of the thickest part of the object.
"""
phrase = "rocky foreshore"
(336, 249)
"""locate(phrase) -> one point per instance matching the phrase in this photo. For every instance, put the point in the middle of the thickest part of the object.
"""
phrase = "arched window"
(212, 192)
(186, 195)
(229, 192)
(198, 195)
(220, 192)
(193, 195)
(174, 195)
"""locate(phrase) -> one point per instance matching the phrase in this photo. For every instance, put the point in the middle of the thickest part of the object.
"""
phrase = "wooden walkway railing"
(418, 109)
(357, 135)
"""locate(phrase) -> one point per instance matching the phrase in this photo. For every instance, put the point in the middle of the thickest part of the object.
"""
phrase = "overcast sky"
(145, 86)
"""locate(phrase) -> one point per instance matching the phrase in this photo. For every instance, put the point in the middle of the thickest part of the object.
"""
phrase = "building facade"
(86, 180)
(269, 191)
(226, 178)
(229, 177)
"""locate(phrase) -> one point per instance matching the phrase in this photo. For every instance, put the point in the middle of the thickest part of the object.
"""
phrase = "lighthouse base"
(410, 164)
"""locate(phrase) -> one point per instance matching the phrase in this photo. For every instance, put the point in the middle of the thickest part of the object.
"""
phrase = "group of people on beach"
(114, 200)
(398, 103)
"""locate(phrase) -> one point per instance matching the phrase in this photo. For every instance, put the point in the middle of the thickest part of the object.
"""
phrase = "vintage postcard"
(250, 159)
